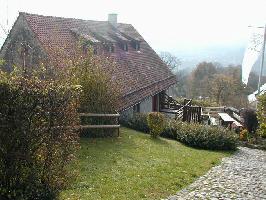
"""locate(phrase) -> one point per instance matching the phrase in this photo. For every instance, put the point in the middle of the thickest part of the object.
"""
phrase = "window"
(125, 47)
(137, 46)
(111, 49)
(108, 47)
(25, 54)
(85, 49)
(24, 49)
(136, 108)
(95, 51)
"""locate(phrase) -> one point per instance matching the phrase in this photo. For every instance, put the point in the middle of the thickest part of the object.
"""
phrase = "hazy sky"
(166, 24)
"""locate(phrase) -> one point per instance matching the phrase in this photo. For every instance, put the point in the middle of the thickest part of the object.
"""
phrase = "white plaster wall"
(146, 105)
(127, 114)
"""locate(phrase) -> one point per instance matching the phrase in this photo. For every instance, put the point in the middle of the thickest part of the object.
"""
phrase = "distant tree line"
(213, 82)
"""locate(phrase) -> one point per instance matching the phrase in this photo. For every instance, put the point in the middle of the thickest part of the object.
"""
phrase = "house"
(225, 120)
(143, 74)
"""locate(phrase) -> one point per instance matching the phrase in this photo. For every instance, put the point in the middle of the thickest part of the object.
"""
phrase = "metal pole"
(262, 59)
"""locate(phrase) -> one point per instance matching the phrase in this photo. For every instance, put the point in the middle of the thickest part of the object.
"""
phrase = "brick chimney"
(112, 19)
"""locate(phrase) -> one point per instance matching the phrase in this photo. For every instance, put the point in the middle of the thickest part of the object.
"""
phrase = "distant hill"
(225, 55)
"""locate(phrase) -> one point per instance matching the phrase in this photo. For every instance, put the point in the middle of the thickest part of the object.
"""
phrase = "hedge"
(191, 134)
(37, 136)
(202, 136)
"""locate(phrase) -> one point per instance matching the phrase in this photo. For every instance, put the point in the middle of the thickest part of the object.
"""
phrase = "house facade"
(143, 75)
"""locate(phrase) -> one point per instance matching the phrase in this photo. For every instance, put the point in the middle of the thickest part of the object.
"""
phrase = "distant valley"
(224, 55)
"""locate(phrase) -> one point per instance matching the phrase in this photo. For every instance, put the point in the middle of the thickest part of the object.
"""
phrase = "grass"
(137, 167)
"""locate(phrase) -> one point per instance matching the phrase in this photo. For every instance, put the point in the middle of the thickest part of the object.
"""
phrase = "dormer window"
(95, 51)
(111, 49)
(125, 47)
(137, 46)
(89, 48)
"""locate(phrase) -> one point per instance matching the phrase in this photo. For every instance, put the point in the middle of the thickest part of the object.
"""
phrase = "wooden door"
(155, 103)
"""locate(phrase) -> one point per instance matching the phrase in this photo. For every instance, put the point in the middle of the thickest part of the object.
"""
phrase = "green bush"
(206, 137)
(137, 122)
(195, 135)
(243, 135)
(37, 136)
(156, 122)
(169, 129)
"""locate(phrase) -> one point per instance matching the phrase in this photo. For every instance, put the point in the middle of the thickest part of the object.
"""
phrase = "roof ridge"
(68, 18)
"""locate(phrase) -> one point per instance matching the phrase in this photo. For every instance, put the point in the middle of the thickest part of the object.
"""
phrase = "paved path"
(241, 176)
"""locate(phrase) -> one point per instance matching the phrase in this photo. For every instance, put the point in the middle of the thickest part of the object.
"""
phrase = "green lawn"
(137, 167)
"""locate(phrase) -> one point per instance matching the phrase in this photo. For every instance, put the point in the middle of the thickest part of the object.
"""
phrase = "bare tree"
(171, 61)
(221, 87)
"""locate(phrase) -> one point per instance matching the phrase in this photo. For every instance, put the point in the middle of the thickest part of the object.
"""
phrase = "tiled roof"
(142, 72)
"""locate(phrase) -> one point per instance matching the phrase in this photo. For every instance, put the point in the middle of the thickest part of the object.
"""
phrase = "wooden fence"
(192, 114)
(185, 112)
(102, 126)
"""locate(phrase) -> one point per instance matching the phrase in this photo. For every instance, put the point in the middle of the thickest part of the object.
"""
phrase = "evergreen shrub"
(156, 123)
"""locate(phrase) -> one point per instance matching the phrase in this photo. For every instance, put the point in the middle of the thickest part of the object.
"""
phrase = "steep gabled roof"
(142, 72)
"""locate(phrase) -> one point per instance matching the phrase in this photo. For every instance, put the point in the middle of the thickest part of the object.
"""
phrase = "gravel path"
(241, 176)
